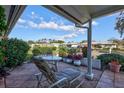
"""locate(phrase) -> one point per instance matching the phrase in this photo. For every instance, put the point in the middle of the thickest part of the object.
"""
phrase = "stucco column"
(89, 74)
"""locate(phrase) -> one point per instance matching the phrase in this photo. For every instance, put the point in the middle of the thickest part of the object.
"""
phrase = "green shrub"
(106, 58)
(72, 51)
(63, 51)
(84, 50)
(37, 50)
(3, 23)
(3, 27)
(29, 56)
(14, 51)
(1, 55)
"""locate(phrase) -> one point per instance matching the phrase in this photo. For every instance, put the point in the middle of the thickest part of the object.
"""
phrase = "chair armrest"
(38, 74)
(58, 82)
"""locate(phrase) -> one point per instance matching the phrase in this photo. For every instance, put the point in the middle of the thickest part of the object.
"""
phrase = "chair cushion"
(69, 73)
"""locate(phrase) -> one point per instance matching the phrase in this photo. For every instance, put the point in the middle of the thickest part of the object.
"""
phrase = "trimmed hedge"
(106, 58)
(37, 50)
(14, 51)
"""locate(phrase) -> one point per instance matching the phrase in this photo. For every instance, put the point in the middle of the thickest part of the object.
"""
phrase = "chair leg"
(39, 78)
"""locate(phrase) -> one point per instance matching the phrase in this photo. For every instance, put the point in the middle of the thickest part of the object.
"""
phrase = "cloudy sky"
(37, 22)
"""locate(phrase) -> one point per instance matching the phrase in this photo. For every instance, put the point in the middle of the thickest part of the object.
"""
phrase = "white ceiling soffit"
(13, 12)
(80, 14)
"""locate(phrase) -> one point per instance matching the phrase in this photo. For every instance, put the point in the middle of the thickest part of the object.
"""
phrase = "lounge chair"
(56, 79)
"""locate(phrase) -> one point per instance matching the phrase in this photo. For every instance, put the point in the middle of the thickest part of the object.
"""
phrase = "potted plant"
(68, 59)
(115, 66)
(77, 60)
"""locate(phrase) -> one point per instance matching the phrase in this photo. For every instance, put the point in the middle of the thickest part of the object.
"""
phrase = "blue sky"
(37, 22)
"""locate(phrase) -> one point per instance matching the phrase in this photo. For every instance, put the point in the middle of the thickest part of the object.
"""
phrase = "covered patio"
(79, 15)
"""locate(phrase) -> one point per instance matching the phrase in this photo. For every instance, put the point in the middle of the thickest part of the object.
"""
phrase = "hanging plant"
(120, 23)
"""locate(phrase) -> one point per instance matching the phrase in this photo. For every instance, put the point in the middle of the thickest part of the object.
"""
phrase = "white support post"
(89, 74)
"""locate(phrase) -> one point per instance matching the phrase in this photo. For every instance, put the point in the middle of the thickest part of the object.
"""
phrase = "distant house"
(74, 45)
(102, 44)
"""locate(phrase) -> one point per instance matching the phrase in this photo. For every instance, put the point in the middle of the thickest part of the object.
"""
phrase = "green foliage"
(37, 50)
(63, 51)
(97, 46)
(57, 41)
(29, 56)
(31, 42)
(3, 48)
(14, 51)
(84, 50)
(3, 24)
(120, 23)
(106, 58)
(72, 51)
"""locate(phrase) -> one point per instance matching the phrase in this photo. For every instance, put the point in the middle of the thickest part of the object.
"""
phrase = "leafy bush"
(1, 55)
(14, 51)
(84, 50)
(97, 46)
(63, 51)
(72, 51)
(3, 23)
(106, 58)
(29, 56)
(37, 50)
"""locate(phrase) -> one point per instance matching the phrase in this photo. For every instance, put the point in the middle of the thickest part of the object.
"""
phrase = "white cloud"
(94, 23)
(53, 25)
(32, 24)
(32, 13)
(21, 21)
(67, 36)
(66, 27)
(49, 25)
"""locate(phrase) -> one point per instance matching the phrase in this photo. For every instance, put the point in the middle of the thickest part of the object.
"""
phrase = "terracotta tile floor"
(23, 77)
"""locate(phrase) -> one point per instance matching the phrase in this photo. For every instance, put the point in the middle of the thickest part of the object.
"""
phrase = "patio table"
(54, 59)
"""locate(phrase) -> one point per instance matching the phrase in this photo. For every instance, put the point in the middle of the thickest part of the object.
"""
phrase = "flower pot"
(77, 62)
(67, 60)
(114, 67)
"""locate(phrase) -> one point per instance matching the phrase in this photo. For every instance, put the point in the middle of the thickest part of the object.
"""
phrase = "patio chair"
(56, 79)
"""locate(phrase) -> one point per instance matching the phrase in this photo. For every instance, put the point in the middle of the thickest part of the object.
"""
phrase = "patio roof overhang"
(80, 14)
